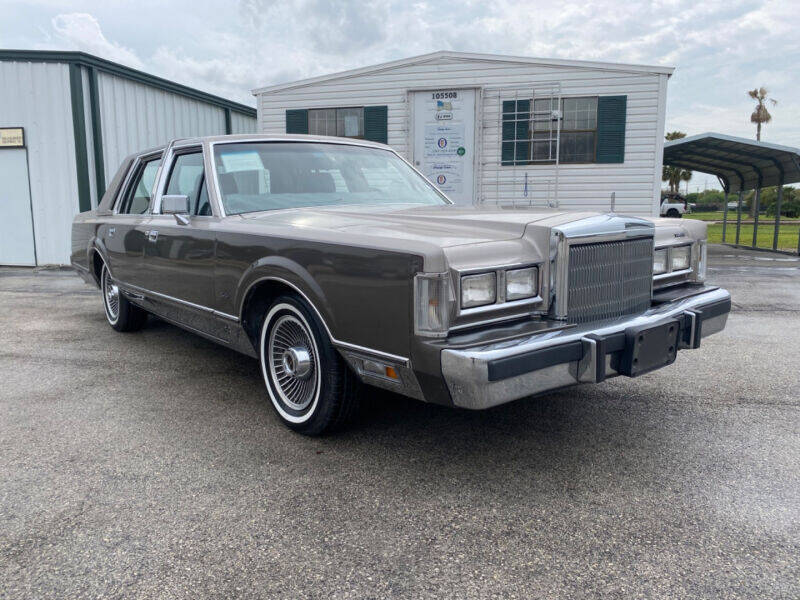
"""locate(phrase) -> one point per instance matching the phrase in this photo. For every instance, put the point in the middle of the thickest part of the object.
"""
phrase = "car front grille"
(609, 279)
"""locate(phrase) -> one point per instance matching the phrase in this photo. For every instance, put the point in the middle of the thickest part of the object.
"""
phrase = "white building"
(66, 121)
(498, 129)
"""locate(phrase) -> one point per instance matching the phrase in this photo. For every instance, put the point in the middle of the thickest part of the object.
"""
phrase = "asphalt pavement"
(150, 465)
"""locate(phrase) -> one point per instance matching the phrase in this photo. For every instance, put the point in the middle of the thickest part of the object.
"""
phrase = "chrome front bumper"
(490, 374)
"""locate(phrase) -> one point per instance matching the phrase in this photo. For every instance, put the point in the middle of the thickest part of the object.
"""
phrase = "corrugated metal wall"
(243, 123)
(35, 95)
(133, 116)
(636, 182)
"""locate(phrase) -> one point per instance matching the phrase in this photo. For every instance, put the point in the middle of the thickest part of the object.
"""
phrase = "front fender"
(288, 272)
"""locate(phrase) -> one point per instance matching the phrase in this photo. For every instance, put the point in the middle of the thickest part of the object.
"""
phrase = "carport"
(740, 165)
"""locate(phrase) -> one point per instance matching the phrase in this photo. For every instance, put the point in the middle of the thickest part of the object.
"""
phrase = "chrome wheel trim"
(110, 297)
(287, 341)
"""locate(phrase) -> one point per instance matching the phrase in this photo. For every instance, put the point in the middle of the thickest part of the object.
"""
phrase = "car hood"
(444, 226)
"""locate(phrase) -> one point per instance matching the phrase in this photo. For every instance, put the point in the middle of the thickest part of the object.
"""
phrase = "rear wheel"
(120, 313)
(310, 386)
(673, 213)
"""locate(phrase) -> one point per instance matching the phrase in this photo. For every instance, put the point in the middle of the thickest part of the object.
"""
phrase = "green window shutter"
(376, 123)
(523, 123)
(516, 121)
(611, 114)
(297, 121)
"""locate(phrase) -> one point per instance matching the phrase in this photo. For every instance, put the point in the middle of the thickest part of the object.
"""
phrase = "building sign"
(12, 137)
(444, 143)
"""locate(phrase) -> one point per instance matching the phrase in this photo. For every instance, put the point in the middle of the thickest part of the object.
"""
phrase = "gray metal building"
(66, 121)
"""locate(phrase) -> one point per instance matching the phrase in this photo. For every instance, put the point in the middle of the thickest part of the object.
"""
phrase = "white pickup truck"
(674, 206)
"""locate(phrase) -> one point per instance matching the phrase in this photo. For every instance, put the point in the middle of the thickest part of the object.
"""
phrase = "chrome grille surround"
(609, 279)
(601, 268)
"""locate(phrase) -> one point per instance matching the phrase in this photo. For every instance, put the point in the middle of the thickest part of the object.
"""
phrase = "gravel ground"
(149, 465)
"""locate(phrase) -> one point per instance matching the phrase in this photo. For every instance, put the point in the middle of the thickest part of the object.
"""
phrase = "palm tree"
(674, 175)
(760, 114)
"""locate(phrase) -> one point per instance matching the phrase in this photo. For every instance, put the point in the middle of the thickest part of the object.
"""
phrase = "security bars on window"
(517, 109)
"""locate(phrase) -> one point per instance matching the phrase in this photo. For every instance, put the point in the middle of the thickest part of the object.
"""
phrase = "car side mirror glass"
(174, 204)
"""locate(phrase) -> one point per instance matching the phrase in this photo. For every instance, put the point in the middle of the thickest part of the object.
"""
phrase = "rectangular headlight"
(660, 261)
(680, 257)
(522, 283)
(433, 303)
(478, 290)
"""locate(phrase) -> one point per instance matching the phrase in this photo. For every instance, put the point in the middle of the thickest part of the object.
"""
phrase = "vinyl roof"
(470, 56)
(740, 164)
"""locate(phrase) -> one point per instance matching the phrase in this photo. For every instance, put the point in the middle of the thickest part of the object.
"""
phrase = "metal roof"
(470, 56)
(739, 163)
(101, 64)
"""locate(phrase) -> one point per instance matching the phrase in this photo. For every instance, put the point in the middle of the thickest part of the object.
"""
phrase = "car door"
(179, 251)
(123, 235)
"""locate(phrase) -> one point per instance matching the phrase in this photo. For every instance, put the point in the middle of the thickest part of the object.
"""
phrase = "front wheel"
(120, 313)
(310, 386)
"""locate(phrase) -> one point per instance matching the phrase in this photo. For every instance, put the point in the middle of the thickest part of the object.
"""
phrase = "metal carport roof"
(739, 163)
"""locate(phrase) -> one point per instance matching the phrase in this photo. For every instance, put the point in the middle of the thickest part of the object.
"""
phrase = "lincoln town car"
(337, 265)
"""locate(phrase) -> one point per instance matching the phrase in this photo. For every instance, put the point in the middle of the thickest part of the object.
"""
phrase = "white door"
(444, 141)
(16, 226)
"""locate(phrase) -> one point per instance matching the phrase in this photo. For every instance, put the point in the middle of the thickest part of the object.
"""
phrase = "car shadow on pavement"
(571, 430)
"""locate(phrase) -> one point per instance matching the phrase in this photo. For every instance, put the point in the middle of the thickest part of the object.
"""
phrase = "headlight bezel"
(692, 269)
(501, 301)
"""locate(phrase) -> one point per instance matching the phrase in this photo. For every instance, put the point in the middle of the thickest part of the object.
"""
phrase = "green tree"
(761, 115)
(674, 175)
(790, 207)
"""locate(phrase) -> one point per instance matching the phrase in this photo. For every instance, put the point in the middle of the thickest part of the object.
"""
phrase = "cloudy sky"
(720, 49)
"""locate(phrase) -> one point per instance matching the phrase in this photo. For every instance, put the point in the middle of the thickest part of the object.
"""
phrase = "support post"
(79, 135)
(97, 134)
(725, 217)
(756, 207)
(778, 203)
(739, 217)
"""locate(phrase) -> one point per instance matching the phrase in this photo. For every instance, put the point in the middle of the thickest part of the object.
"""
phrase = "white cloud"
(721, 48)
(81, 31)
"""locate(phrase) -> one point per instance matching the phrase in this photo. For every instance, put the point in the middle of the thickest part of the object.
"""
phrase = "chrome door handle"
(112, 231)
(152, 235)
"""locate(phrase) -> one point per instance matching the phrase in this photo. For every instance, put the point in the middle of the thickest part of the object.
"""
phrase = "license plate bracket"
(649, 347)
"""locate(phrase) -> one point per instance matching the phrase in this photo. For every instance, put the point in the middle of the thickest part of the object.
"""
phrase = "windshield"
(257, 176)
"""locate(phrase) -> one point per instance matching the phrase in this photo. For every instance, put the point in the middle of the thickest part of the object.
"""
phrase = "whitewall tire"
(310, 387)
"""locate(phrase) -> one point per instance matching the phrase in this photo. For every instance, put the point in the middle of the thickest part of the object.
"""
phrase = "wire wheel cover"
(110, 296)
(293, 362)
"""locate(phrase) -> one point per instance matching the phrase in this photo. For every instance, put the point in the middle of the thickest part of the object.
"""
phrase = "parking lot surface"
(151, 465)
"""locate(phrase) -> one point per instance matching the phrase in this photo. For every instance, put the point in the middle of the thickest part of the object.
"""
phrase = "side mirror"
(174, 205)
(177, 205)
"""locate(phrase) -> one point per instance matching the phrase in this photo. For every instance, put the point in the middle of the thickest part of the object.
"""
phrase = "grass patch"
(787, 236)
(720, 215)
